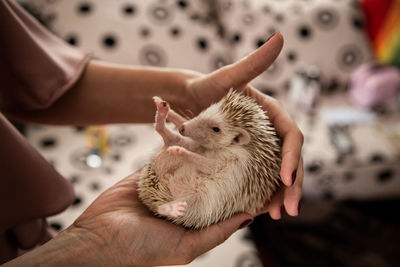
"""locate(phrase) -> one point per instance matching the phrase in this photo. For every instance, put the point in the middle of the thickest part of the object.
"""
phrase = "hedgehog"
(224, 161)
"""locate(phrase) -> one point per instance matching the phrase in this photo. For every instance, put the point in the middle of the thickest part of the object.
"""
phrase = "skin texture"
(116, 230)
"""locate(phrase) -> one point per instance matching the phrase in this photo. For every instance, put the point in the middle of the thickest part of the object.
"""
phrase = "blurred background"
(338, 75)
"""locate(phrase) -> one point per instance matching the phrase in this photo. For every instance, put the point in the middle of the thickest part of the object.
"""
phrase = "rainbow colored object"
(383, 27)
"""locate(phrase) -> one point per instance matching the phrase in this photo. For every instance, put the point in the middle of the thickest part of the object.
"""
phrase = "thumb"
(243, 71)
(218, 233)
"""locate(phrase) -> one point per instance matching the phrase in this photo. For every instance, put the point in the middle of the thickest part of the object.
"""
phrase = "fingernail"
(246, 223)
(294, 176)
(272, 35)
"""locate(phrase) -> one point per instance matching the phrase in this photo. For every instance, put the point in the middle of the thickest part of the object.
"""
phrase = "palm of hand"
(124, 230)
(120, 222)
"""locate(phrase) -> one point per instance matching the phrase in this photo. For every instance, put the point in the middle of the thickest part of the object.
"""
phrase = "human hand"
(121, 231)
(206, 89)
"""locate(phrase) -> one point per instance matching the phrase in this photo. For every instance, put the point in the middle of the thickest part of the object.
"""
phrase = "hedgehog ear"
(242, 137)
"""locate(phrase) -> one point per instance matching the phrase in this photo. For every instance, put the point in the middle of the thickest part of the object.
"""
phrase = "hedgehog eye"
(216, 129)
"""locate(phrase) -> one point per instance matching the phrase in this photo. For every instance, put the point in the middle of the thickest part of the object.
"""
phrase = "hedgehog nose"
(182, 129)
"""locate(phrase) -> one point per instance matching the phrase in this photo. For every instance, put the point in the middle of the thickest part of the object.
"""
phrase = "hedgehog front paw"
(172, 209)
(157, 100)
(176, 151)
(162, 106)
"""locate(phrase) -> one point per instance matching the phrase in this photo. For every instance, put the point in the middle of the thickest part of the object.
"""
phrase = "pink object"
(371, 85)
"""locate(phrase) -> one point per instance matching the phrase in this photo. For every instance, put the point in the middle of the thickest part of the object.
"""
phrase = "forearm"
(66, 249)
(111, 93)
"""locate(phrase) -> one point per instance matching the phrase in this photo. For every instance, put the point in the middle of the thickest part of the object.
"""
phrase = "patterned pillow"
(327, 34)
(153, 33)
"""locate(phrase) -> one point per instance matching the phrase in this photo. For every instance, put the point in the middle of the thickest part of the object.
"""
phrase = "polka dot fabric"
(348, 162)
(326, 34)
(150, 33)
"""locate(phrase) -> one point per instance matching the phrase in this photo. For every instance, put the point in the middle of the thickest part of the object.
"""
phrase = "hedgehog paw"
(158, 100)
(176, 150)
(162, 106)
(172, 209)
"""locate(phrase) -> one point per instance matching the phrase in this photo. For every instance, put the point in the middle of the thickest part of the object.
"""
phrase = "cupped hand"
(207, 89)
(123, 232)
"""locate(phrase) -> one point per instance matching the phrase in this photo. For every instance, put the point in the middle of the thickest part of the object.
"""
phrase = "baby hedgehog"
(222, 162)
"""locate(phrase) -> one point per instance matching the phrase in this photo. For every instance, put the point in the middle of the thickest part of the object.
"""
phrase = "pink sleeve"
(36, 67)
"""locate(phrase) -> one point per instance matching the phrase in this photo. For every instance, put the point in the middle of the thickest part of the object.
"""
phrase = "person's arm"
(112, 93)
(66, 249)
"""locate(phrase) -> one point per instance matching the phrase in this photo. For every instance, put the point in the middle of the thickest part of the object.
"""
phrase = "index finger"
(243, 71)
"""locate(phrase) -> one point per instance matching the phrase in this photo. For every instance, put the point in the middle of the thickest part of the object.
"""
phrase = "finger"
(292, 143)
(216, 234)
(243, 71)
(275, 206)
(292, 195)
(292, 139)
(287, 130)
(291, 154)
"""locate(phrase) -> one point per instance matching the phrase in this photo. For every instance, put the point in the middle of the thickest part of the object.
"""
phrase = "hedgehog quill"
(224, 161)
